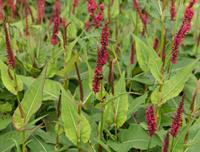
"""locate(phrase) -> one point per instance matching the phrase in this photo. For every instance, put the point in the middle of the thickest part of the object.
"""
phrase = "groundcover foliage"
(99, 75)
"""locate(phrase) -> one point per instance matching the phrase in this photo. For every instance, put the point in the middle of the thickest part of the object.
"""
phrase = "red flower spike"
(54, 39)
(101, 6)
(143, 16)
(10, 55)
(151, 120)
(172, 10)
(87, 25)
(102, 58)
(40, 10)
(92, 6)
(155, 44)
(185, 28)
(12, 5)
(165, 145)
(56, 21)
(132, 56)
(1, 10)
(177, 120)
(75, 4)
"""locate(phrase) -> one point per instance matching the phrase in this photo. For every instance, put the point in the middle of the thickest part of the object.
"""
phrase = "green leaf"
(8, 78)
(4, 122)
(134, 137)
(69, 66)
(172, 87)
(73, 121)
(5, 107)
(121, 103)
(51, 89)
(148, 59)
(135, 104)
(6, 140)
(30, 103)
(115, 9)
(37, 145)
(116, 111)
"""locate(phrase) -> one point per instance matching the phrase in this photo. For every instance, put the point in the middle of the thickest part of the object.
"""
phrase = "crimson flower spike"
(1, 10)
(12, 5)
(75, 4)
(40, 10)
(132, 56)
(155, 44)
(172, 10)
(165, 145)
(143, 16)
(185, 28)
(10, 55)
(177, 120)
(102, 58)
(56, 21)
(151, 120)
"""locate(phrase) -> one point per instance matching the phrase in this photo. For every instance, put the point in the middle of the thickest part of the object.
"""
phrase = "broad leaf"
(30, 103)
(115, 9)
(172, 87)
(134, 137)
(73, 122)
(116, 110)
(148, 58)
(10, 79)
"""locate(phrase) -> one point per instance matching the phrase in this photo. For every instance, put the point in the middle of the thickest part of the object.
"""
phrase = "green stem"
(171, 149)
(24, 141)
(102, 121)
(149, 144)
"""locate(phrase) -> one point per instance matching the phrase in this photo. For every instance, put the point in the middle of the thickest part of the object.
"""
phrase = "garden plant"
(99, 75)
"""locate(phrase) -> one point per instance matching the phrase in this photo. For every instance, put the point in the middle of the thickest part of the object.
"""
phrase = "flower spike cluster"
(151, 120)
(12, 5)
(75, 4)
(132, 56)
(143, 16)
(102, 58)
(185, 28)
(10, 55)
(40, 10)
(165, 145)
(173, 10)
(1, 10)
(56, 22)
(96, 13)
(177, 120)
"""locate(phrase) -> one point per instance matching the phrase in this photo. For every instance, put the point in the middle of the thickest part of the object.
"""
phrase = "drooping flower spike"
(96, 13)
(75, 4)
(151, 120)
(12, 6)
(172, 10)
(56, 22)
(10, 54)
(165, 146)
(185, 28)
(40, 10)
(102, 58)
(177, 120)
(143, 16)
(1, 10)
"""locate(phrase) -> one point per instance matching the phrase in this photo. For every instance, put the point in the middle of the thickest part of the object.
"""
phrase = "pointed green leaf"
(71, 119)
(8, 79)
(148, 58)
(116, 110)
(30, 103)
(173, 86)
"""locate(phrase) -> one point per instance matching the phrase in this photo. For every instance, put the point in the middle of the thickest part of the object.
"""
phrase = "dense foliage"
(99, 75)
